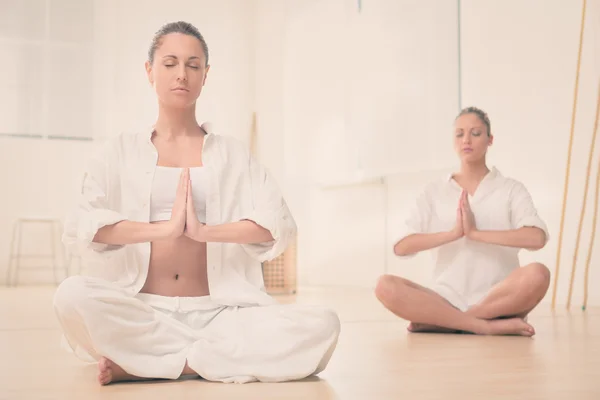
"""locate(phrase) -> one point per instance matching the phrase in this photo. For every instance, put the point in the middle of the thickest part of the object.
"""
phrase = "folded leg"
(103, 321)
(414, 303)
(516, 295)
(269, 344)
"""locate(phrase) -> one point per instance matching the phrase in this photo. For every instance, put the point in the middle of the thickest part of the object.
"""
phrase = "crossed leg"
(513, 298)
(132, 340)
(517, 295)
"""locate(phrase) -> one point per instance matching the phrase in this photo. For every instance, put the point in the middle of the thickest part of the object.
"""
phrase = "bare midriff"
(177, 268)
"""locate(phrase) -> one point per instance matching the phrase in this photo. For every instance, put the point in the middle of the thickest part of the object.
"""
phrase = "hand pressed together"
(176, 225)
(465, 220)
(194, 229)
(468, 219)
(183, 215)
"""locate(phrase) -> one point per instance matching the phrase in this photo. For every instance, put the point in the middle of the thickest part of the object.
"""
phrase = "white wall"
(341, 82)
(518, 63)
(123, 101)
(520, 67)
(270, 18)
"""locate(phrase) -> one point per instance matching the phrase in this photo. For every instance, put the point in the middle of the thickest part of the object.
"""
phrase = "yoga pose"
(173, 225)
(475, 222)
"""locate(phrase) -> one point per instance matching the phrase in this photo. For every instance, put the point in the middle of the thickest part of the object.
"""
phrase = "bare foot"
(512, 326)
(416, 327)
(109, 372)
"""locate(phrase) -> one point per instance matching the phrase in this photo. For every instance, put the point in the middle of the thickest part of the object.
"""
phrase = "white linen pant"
(153, 336)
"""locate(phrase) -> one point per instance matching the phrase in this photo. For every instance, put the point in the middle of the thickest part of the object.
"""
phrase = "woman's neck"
(176, 122)
(473, 171)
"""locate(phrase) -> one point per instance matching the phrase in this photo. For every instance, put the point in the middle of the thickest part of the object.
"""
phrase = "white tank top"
(164, 189)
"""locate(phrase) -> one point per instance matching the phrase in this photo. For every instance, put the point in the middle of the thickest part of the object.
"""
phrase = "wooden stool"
(16, 251)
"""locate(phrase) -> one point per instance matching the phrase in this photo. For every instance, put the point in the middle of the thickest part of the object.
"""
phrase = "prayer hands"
(194, 229)
(465, 221)
(458, 230)
(468, 220)
(176, 224)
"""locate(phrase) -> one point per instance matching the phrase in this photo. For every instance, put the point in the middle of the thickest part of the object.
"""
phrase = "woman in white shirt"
(173, 225)
(474, 222)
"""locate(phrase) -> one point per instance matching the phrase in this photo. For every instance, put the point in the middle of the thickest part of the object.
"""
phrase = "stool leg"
(11, 257)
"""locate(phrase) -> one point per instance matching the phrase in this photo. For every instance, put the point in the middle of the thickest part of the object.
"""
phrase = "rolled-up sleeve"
(96, 204)
(524, 212)
(415, 218)
(270, 211)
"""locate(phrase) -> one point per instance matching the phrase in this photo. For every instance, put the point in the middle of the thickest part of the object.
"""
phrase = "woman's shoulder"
(508, 182)
(511, 186)
(440, 183)
(121, 140)
(228, 144)
(115, 148)
(126, 143)
(432, 190)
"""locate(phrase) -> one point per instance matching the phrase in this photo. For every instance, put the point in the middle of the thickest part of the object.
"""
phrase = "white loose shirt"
(117, 186)
(465, 270)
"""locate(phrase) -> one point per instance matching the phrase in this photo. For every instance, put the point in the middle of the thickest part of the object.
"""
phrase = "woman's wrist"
(198, 232)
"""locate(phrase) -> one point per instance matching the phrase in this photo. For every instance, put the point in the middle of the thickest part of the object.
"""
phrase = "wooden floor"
(375, 359)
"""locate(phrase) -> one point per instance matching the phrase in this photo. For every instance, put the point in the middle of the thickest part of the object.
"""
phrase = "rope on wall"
(582, 216)
(569, 151)
(593, 235)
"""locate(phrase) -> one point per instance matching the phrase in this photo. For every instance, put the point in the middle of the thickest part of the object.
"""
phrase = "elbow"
(71, 237)
(538, 241)
(70, 244)
(287, 227)
(293, 228)
(266, 235)
(401, 250)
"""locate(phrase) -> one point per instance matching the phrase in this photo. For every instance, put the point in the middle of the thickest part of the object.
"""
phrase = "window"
(46, 77)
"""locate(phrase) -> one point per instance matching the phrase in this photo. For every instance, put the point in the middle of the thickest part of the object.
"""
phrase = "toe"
(530, 329)
(105, 378)
(104, 371)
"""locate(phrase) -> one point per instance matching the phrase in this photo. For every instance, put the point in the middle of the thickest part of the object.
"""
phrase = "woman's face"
(471, 139)
(178, 71)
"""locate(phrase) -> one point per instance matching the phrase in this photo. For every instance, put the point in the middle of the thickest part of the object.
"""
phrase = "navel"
(176, 276)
